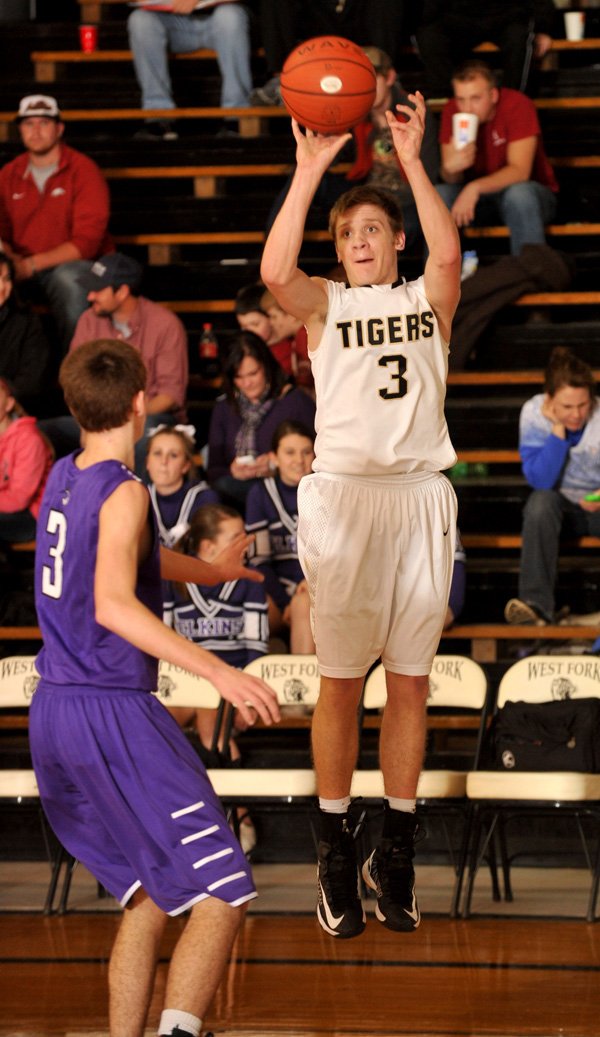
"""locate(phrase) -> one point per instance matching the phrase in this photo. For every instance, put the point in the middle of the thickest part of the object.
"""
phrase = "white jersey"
(380, 377)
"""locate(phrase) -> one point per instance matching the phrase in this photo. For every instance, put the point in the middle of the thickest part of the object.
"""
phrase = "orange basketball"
(328, 84)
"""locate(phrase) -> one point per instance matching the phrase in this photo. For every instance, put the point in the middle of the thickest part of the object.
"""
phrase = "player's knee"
(407, 688)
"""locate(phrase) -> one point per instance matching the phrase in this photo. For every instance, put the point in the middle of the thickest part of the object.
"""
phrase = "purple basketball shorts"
(127, 796)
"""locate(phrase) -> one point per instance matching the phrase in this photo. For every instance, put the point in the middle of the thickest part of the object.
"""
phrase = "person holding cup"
(493, 164)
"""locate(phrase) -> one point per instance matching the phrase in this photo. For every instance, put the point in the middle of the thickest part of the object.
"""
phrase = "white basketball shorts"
(378, 557)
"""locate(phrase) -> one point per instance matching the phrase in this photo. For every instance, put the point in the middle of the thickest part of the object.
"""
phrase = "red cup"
(88, 38)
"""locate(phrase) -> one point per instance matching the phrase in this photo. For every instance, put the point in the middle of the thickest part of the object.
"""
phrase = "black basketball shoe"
(339, 908)
(390, 873)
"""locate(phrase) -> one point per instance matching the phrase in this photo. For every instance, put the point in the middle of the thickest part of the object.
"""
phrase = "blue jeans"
(547, 516)
(525, 208)
(225, 29)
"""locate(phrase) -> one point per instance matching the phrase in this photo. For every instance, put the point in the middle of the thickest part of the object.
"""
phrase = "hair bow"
(188, 431)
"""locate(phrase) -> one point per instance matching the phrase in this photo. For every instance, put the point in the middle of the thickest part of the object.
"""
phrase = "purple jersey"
(77, 651)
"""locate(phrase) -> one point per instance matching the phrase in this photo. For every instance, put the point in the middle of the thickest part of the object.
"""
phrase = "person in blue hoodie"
(559, 444)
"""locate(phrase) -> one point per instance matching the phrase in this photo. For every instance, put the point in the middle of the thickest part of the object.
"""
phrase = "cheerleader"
(229, 619)
(175, 490)
(272, 516)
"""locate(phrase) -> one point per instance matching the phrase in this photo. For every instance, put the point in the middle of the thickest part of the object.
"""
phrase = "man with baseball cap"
(117, 311)
(54, 211)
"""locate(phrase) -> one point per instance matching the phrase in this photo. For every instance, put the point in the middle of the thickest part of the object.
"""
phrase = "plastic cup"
(464, 128)
(88, 38)
(574, 24)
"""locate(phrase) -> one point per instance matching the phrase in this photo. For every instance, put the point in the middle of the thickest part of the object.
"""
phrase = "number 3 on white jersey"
(52, 575)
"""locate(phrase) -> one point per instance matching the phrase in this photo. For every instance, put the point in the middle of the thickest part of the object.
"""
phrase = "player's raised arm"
(442, 270)
(294, 290)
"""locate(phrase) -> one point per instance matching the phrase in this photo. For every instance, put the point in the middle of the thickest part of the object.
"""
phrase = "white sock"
(334, 806)
(407, 806)
(172, 1017)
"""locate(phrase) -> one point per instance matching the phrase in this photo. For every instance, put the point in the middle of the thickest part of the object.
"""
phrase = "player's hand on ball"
(248, 694)
(408, 135)
(316, 150)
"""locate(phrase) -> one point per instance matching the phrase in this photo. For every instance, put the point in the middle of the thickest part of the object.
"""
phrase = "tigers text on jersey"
(380, 377)
(77, 650)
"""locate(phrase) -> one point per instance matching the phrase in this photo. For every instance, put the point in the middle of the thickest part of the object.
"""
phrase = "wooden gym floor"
(502, 973)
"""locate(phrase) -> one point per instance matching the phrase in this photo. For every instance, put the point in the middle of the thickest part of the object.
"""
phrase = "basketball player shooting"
(376, 518)
(124, 791)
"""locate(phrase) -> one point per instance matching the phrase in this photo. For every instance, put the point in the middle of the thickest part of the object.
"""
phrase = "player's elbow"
(104, 615)
(447, 254)
(108, 612)
(274, 273)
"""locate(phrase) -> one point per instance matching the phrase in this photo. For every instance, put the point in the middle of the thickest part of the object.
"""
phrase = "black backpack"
(546, 736)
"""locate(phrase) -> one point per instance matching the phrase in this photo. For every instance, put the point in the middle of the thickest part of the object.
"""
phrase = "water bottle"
(208, 351)
(470, 262)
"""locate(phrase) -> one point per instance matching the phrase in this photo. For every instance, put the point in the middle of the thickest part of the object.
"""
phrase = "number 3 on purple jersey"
(52, 574)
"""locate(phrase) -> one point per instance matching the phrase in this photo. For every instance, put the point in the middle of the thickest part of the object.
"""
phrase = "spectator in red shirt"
(503, 175)
(54, 210)
(290, 347)
(25, 461)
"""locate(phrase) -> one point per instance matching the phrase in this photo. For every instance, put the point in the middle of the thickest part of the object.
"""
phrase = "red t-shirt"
(292, 354)
(514, 119)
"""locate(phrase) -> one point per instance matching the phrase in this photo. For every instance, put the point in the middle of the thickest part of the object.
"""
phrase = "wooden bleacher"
(205, 240)
(486, 638)
(226, 305)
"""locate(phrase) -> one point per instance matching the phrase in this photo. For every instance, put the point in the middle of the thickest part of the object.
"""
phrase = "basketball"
(328, 84)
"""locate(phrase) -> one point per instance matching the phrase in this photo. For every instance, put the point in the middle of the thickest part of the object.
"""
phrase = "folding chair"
(18, 681)
(497, 797)
(457, 697)
(295, 680)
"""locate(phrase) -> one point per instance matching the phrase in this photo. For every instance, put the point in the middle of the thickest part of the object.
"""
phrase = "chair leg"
(472, 866)
(477, 855)
(591, 911)
(504, 859)
(72, 863)
(61, 855)
(493, 866)
(462, 863)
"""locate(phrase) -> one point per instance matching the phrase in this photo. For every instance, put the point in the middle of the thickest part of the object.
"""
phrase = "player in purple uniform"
(175, 490)
(272, 516)
(122, 788)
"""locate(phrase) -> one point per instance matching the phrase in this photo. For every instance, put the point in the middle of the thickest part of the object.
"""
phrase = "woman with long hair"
(257, 399)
